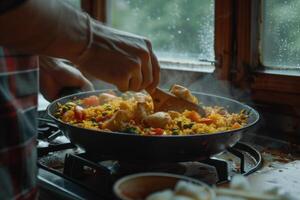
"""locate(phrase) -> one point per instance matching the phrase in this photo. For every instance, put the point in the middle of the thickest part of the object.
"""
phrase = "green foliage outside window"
(181, 29)
(280, 38)
(75, 3)
(184, 29)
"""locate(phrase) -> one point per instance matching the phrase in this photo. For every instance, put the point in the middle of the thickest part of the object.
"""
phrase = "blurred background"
(182, 29)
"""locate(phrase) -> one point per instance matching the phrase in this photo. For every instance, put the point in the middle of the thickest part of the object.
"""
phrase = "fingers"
(150, 70)
(146, 70)
(122, 59)
(135, 81)
(130, 78)
(155, 73)
(123, 86)
(144, 74)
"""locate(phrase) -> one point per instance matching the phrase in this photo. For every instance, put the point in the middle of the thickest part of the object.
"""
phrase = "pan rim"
(252, 110)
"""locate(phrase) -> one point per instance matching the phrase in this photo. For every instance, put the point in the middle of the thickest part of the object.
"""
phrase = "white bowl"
(139, 186)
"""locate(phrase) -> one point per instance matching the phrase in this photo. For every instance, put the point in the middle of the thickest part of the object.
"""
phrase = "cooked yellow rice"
(218, 118)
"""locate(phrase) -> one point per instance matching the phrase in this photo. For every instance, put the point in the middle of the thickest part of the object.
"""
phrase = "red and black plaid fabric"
(18, 100)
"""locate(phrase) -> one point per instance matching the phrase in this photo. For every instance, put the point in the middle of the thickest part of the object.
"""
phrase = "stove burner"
(49, 138)
(93, 173)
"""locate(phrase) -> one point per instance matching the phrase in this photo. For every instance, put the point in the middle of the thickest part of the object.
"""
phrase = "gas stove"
(68, 172)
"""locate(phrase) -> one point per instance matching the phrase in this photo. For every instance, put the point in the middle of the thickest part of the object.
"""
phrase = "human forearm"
(56, 75)
(126, 60)
(55, 29)
(45, 27)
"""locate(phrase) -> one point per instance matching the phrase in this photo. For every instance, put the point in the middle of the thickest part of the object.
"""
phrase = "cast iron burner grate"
(57, 155)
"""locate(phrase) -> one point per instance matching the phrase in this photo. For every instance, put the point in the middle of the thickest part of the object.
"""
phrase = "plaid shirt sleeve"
(18, 100)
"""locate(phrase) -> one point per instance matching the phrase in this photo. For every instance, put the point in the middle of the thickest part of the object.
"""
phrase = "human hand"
(120, 58)
(56, 75)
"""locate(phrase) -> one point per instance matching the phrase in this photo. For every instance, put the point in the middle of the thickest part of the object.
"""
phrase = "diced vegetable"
(175, 131)
(194, 116)
(157, 131)
(190, 125)
(131, 130)
(179, 124)
(107, 107)
(102, 118)
(236, 126)
(67, 106)
(207, 121)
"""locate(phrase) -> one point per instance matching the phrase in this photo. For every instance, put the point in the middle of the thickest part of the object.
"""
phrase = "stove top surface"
(67, 172)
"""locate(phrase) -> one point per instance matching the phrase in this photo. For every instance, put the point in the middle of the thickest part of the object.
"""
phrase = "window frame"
(268, 84)
(96, 8)
(237, 51)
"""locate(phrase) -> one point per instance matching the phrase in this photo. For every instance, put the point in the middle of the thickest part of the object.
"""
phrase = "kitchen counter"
(281, 165)
(285, 176)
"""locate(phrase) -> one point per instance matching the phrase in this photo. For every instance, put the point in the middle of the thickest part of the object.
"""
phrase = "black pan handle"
(68, 91)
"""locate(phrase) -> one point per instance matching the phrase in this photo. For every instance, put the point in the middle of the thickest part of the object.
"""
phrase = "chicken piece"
(141, 112)
(117, 121)
(124, 105)
(158, 120)
(106, 97)
(146, 99)
(128, 108)
(183, 93)
(90, 101)
(141, 97)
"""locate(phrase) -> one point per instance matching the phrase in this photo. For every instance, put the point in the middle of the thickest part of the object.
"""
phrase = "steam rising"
(206, 83)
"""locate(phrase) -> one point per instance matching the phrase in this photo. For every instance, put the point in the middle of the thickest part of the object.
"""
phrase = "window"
(75, 3)
(280, 35)
(262, 57)
(181, 31)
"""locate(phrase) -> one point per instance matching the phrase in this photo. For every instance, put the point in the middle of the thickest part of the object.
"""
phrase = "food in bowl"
(182, 191)
(161, 186)
(239, 189)
(134, 113)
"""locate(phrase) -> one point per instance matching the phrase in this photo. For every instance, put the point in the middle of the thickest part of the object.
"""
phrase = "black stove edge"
(53, 185)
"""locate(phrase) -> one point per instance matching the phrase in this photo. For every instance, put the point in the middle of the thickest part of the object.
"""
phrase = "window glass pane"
(75, 3)
(280, 37)
(179, 29)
